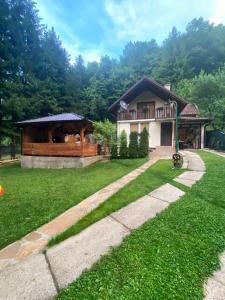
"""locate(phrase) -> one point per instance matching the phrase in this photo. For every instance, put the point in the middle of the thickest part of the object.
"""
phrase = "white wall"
(121, 127)
(155, 134)
(154, 131)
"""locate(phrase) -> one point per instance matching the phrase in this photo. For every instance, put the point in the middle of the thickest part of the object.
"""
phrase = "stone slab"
(214, 290)
(167, 192)
(62, 222)
(33, 236)
(220, 274)
(186, 182)
(10, 251)
(140, 211)
(30, 248)
(196, 167)
(29, 280)
(191, 175)
(77, 254)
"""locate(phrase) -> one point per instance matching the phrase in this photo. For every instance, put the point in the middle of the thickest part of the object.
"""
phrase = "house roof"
(190, 109)
(147, 83)
(193, 118)
(54, 118)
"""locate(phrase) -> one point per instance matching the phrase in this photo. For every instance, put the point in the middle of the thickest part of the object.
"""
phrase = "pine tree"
(123, 145)
(144, 143)
(133, 145)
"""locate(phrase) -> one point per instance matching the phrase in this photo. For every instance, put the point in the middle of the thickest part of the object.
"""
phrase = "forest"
(37, 77)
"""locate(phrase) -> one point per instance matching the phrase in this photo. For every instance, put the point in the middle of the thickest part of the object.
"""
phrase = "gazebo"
(57, 141)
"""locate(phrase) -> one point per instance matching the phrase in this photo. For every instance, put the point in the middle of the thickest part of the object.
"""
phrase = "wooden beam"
(82, 134)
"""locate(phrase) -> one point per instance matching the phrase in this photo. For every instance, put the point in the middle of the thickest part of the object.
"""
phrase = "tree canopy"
(37, 77)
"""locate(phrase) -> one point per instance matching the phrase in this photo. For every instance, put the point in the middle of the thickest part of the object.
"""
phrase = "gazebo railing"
(59, 149)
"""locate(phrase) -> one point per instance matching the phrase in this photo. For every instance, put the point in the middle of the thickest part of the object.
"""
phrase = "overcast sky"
(97, 27)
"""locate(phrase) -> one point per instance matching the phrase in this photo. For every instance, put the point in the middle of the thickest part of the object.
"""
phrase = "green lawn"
(158, 174)
(170, 256)
(35, 196)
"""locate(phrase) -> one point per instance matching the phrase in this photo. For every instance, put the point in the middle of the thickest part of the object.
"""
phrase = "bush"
(144, 143)
(133, 146)
(113, 151)
(123, 145)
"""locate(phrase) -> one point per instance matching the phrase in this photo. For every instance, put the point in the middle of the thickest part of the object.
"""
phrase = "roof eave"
(150, 81)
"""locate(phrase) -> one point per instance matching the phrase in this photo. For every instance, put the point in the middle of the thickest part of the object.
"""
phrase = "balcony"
(159, 113)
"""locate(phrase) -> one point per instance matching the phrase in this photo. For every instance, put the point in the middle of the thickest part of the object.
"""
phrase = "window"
(144, 125)
(133, 127)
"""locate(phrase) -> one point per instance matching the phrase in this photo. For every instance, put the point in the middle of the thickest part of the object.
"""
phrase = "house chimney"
(167, 86)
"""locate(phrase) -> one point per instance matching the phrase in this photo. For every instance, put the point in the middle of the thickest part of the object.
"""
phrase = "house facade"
(151, 105)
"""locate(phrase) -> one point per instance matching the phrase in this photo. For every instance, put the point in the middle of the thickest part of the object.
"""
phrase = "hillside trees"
(37, 77)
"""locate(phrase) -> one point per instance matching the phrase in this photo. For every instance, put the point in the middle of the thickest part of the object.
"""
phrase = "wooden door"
(166, 134)
(145, 110)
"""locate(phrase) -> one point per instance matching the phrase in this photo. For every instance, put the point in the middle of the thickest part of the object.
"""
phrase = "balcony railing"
(165, 112)
(159, 113)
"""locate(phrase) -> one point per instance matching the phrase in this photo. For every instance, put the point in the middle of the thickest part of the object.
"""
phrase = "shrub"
(123, 145)
(113, 150)
(133, 145)
(144, 143)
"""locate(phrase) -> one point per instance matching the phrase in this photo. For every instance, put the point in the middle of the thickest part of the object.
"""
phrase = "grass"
(170, 256)
(35, 196)
(158, 174)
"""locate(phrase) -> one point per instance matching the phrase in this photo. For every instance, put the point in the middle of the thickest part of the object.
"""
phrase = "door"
(166, 134)
(146, 110)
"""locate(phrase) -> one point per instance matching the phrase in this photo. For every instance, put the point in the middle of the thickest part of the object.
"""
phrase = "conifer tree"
(123, 145)
(113, 150)
(133, 145)
(144, 143)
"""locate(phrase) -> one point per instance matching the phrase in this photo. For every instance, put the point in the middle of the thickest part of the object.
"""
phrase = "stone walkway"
(196, 167)
(42, 275)
(36, 241)
(215, 285)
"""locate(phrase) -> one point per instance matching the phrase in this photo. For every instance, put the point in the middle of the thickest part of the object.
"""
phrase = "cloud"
(218, 14)
(145, 19)
(95, 28)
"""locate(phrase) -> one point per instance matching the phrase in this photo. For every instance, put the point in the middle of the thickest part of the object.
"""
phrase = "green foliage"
(133, 145)
(144, 143)
(105, 131)
(208, 92)
(114, 150)
(123, 151)
(37, 78)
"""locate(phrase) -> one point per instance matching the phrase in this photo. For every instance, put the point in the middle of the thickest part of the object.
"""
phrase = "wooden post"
(82, 134)
(50, 130)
